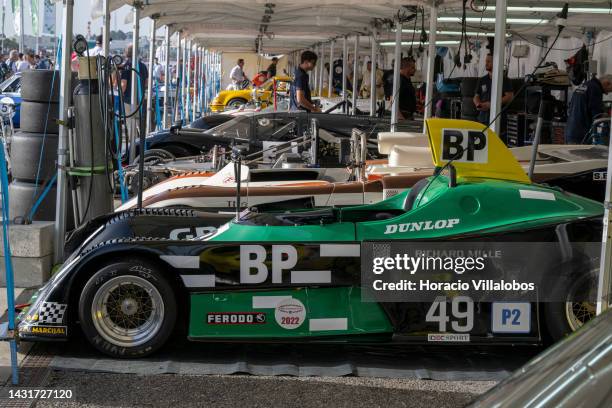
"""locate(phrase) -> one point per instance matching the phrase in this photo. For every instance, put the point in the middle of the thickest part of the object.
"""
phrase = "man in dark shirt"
(126, 76)
(271, 71)
(482, 94)
(586, 104)
(407, 94)
(299, 93)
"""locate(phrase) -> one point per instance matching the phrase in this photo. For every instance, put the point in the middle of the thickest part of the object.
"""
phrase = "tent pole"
(167, 79)
(177, 114)
(321, 68)
(344, 76)
(373, 76)
(498, 64)
(355, 74)
(331, 69)
(152, 39)
(396, 76)
(62, 148)
(135, 79)
(106, 29)
(604, 286)
(431, 59)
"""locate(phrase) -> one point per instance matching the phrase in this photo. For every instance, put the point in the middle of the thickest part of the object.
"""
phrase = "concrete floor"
(122, 390)
(5, 354)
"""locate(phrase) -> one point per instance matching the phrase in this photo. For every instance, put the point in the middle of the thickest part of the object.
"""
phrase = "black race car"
(259, 128)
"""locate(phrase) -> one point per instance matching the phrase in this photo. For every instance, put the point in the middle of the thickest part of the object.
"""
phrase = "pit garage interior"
(185, 169)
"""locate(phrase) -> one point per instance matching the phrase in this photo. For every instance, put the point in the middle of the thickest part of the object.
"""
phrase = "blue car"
(10, 92)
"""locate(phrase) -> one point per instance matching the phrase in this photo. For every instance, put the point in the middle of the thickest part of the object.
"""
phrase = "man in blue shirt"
(586, 104)
(299, 93)
(482, 93)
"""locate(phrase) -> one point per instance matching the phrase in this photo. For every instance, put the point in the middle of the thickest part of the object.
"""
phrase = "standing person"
(299, 93)
(584, 107)
(13, 60)
(126, 77)
(407, 93)
(365, 83)
(482, 94)
(27, 63)
(5, 72)
(43, 60)
(158, 71)
(98, 49)
(237, 74)
(271, 71)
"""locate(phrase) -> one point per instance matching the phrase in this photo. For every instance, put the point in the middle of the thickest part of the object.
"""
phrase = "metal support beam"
(150, 110)
(184, 81)
(196, 81)
(135, 79)
(331, 69)
(344, 73)
(321, 68)
(499, 46)
(431, 58)
(62, 147)
(188, 76)
(177, 111)
(355, 74)
(396, 77)
(604, 286)
(167, 92)
(315, 74)
(373, 76)
(106, 29)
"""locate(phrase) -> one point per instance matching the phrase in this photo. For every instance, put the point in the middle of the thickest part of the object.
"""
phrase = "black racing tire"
(36, 85)
(156, 305)
(36, 115)
(235, 103)
(178, 151)
(468, 86)
(564, 318)
(22, 196)
(154, 156)
(26, 154)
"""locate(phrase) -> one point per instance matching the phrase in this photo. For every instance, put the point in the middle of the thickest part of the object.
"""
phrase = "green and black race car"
(296, 276)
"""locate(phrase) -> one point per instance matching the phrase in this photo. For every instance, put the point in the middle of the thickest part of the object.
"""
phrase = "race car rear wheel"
(563, 318)
(127, 309)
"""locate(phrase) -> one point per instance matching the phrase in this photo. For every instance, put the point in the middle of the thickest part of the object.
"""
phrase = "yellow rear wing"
(475, 154)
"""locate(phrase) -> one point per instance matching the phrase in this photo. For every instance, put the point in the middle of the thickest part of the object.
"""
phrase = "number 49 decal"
(461, 317)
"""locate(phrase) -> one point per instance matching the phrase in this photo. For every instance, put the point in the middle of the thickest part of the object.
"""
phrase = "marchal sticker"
(290, 314)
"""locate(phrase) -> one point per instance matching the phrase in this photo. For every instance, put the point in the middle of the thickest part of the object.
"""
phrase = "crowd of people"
(17, 61)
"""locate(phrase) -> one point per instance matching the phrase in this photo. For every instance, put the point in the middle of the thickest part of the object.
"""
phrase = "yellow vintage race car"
(264, 94)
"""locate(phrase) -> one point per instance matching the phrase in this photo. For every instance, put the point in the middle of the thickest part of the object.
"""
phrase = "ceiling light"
(407, 43)
(578, 10)
(454, 33)
(492, 20)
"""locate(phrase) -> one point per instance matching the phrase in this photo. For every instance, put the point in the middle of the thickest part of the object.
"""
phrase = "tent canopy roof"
(287, 25)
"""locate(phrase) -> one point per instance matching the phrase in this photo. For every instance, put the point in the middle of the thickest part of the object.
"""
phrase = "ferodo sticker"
(464, 145)
(236, 318)
(290, 314)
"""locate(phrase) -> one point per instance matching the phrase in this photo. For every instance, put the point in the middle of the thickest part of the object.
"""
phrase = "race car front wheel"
(127, 309)
(236, 103)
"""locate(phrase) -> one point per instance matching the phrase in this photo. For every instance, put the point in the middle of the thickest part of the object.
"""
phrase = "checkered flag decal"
(51, 312)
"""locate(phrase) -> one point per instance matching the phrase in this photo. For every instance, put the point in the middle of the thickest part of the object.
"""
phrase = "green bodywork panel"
(320, 303)
(479, 205)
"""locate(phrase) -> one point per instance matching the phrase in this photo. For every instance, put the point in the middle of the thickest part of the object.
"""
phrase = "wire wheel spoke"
(131, 310)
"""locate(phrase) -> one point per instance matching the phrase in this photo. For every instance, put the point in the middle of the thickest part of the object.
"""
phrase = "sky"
(82, 14)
